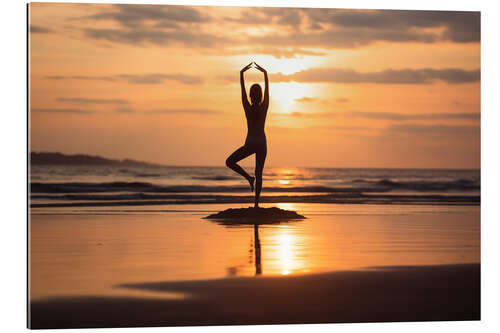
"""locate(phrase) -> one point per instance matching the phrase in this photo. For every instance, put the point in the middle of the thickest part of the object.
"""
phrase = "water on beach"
(94, 250)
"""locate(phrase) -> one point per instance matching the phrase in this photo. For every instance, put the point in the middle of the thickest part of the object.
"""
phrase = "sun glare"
(286, 206)
(276, 64)
(286, 94)
(289, 252)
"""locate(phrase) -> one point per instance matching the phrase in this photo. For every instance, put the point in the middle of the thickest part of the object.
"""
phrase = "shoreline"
(323, 199)
(380, 294)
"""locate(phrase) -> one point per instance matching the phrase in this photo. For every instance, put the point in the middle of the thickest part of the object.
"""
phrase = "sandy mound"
(256, 215)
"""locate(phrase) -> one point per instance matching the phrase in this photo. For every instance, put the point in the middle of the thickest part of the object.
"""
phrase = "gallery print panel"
(210, 165)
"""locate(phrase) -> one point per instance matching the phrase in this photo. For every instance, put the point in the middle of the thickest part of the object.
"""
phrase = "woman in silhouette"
(255, 142)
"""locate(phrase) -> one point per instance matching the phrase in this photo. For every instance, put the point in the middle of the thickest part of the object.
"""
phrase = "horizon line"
(270, 166)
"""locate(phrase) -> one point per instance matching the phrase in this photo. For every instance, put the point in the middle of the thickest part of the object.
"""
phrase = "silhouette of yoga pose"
(255, 142)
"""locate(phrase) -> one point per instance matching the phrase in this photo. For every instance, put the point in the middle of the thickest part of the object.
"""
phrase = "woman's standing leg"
(260, 159)
(237, 156)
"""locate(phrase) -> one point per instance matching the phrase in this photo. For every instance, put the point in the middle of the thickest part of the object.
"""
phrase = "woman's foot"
(251, 181)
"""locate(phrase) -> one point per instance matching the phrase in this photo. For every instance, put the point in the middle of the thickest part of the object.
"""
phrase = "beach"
(392, 294)
(168, 266)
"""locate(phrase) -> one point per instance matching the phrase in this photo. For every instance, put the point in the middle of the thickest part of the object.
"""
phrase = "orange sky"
(348, 88)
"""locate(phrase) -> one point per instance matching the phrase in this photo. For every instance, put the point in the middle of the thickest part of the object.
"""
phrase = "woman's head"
(255, 94)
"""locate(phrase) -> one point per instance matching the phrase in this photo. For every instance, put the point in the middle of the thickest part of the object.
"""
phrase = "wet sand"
(157, 267)
(412, 293)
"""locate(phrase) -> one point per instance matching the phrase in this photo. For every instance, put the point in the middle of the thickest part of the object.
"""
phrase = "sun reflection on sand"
(287, 206)
(283, 253)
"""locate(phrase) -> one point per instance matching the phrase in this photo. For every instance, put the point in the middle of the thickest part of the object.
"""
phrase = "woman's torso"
(256, 119)
(256, 136)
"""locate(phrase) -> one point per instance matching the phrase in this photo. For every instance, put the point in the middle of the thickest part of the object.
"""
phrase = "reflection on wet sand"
(87, 254)
(354, 241)
(256, 241)
(283, 244)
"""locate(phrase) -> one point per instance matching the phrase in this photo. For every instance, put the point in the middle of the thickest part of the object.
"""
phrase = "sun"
(285, 95)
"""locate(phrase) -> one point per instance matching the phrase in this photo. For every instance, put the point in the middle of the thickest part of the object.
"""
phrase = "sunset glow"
(119, 82)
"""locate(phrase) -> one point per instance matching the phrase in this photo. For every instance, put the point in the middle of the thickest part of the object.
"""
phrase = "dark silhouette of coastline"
(46, 158)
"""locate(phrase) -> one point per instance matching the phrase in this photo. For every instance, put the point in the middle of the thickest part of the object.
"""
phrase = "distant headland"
(49, 158)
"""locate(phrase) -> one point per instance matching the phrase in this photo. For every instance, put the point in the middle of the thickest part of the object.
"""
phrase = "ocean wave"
(384, 185)
(429, 186)
(180, 199)
(214, 177)
(147, 175)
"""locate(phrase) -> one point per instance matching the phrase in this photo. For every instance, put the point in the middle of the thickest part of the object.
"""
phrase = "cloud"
(155, 36)
(458, 26)
(153, 24)
(160, 78)
(154, 78)
(309, 114)
(412, 116)
(352, 28)
(156, 15)
(80, 77)
(78, 100)
(342, 38)
(437, 129)
(306, 99)
(277, 52)
(183, 111)
(35, 29)
(75, 111)
(388, 76)
(128, 110)
(125, 110)
(349, 128)
(289, 32)
(388, 115)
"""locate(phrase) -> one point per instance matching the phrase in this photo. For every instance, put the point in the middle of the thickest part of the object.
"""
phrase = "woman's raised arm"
(265, 102)
(244, 99)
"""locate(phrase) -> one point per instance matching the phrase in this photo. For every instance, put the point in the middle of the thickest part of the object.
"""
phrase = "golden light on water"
(284, 181)
(283, 254)
(286, 253)
(287, 206)
(287, 171)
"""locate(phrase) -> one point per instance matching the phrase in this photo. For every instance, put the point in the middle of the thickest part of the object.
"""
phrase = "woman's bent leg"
(237, 156)
(260, 158)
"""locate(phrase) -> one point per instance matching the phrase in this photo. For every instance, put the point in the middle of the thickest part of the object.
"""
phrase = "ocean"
(88, 186)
